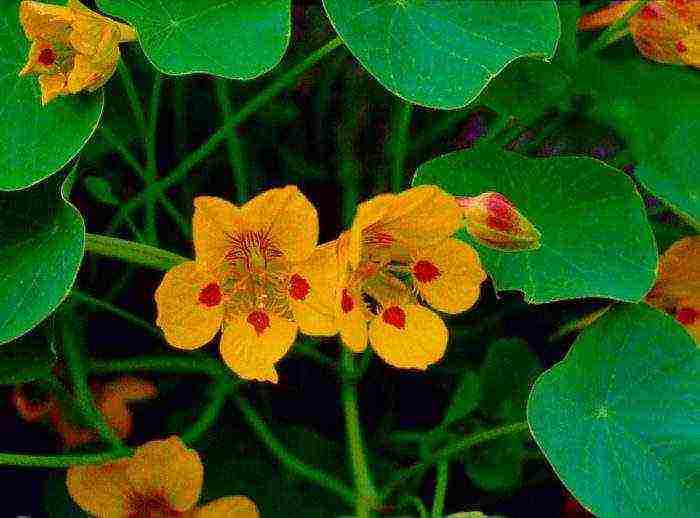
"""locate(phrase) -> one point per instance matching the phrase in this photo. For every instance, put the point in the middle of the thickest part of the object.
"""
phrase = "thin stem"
(417, 503)
(443, 474)
(186, 365)
(151, 170)
(451, 451)
(613, 32)
(61, 461)
(121, 148)
(101, 304)
(290, 461)
(133, 96)
(233, 143)
(222, 390)
(307, 349)
(178, 174)
(398, 143)
(578, 324)
(132, 252)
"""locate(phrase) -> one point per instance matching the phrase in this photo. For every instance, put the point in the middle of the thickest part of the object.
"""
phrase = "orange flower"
(73, 48)
(398, 252)
(666, 31)
(112, 399)
(258, 275)
(677, 288)
(163, 478)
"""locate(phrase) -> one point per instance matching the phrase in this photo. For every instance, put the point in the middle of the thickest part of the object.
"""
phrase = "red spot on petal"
(680, 47)
(211, 295)
(687, 316)
(47, 57)
(298, 287)
(425, 271)
(651, 11)
(500, 213)
(395, 316)
(259, 320)
(346, 302)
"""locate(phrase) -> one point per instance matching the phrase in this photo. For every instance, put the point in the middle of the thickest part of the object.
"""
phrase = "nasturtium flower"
(677, 288)
(112, 399)
(163, 479)
(399, 253)
(72, 48)
(257, 275)
(666, 31)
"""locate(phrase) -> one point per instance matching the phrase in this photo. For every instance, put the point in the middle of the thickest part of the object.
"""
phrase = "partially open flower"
(398, 253)
(495, 222)
(72, 48)
(258, 275)
(677, 288)
(163, 479)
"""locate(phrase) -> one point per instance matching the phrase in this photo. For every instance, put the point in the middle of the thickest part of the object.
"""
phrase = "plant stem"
(450, 451)
(578, 324)
(612, 33)
(306, 348)
(291, 462)
(133, 96)
(417, 503)
(151, 170)
(101, 304)
(188, 365)
(233, 143)
(178, 174)
(61, 461)
(132, 252)
(443, 473)
(222, 390)
(398, 143)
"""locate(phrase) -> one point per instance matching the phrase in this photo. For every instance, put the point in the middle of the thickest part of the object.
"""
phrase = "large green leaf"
(619, 418)
(37, 140)
(596, 240)
(442, 53)
(233, 39)
(41, 246)
(29, 358)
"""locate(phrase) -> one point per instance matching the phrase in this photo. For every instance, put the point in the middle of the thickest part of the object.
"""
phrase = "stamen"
(395, 316)
(680, 47)
(378, 238)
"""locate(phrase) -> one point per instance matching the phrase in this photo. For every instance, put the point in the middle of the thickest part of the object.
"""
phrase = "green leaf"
(29, 358)
(232, 39)
(464, 400)
(101, 190)
(37, 140)
(619, 418)
(442, 53)
(41, 246)
(497, 465)
(596, 240)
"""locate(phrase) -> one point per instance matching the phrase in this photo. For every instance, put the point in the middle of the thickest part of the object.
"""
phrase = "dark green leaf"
(101, 190)
(29, 358)
(497, 465)
(464, 400)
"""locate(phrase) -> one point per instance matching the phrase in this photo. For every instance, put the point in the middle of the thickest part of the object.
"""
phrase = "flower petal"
(424, 215)
(115, 396)
(251, 347)
(368, 214)
(168, 468)
(230, 506)
(288, 218)
(44, 20)
(679, 274)
(89, 74)
(352, 322)
(448, 276)
(52, 85)
(312, 292)
(214, 223)
(101, 491)
(414, 340)
(187, 321)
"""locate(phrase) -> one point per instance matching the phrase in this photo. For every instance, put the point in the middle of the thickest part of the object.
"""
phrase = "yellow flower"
(677, 288)
(163, 478)
(258, 275)
(72, 48)
(398, 253)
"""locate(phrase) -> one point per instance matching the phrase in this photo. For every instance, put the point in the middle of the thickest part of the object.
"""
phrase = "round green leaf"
(464, 400)
(232, 39)
(37, 140)
(41, 246)
(596, 240)
(442, 53)
(619, 418)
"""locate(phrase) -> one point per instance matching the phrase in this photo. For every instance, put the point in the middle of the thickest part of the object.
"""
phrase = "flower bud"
(495, 222)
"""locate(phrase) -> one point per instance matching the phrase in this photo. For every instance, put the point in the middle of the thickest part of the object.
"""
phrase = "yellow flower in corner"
(257, 275)
(398, 253)
(72, 48)
(677, 288)
(163, 478)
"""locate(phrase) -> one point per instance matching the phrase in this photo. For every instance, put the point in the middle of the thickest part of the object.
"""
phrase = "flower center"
(346, 302)
(210, 296)
(425, 271)
(395, 316)
(298, 287)
(252, 249)
(259, 320)
(47, 57)
(687, 316)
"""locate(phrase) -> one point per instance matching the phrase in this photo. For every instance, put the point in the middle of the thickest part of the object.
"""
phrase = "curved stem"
(133, 96)
(417, 503)
(398, 144)
(132, 252)
(151, 159)
(233, 143)
(291, 462)
(207, 417)
(443, 473)
(193, 365)
(101, 304)
(61, 461)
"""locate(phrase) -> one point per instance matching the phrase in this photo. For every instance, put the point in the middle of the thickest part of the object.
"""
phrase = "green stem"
(612, 33)
(443, 474)
(288, 460)
(61, 461)
(307, 349)
(181, 172)
(233, 143)
(222, 390)
(366, 494)
(578, 324)
(187, 365)
(451, 451)
(151, 170)
(100, 304)
(398, 143)
(416, 502)
(132, 252)
(133, 96)
(121, 148)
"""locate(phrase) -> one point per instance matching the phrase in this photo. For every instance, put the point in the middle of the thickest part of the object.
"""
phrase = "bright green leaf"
(442, 53)
(619, 418)
(236, 40)
(41, 246)
(37, 140)
(464, 400)
(596, 240)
